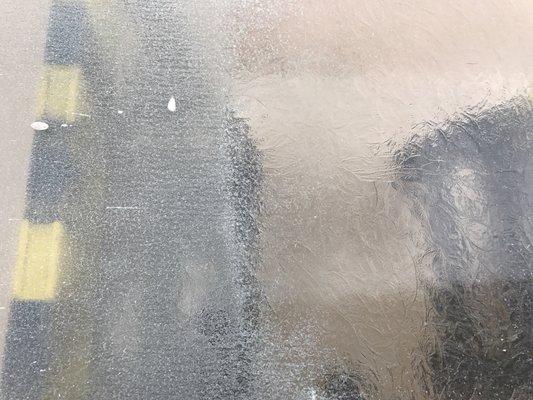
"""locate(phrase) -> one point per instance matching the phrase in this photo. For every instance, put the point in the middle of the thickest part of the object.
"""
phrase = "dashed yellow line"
(38, 263)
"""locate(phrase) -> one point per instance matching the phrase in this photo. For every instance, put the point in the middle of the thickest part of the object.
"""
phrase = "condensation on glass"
(244, 199)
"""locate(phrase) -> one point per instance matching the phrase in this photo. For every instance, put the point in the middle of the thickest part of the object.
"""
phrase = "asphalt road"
(152, 301)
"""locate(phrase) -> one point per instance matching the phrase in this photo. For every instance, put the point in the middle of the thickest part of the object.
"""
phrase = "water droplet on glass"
(172, 104)
(39, 126)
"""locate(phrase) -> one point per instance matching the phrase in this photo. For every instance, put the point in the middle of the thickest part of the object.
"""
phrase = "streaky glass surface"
(243, 199)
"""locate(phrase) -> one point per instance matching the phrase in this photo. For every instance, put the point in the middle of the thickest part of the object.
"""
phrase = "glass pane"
(242, 199)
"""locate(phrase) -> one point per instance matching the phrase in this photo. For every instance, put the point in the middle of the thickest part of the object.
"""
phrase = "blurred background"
(329, 93)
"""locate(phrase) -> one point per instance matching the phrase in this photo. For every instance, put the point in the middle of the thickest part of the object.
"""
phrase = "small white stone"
(172, 104)
(120, 112)
(39, 126)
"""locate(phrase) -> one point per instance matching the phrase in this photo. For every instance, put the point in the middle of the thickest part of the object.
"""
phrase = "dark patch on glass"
(51, 172)
(467, 179)
(27, 350)
(67, 35)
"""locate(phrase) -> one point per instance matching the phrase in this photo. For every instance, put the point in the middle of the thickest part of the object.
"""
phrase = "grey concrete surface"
(22, 37)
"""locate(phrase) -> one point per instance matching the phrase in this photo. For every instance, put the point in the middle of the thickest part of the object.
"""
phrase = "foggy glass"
(243, 199)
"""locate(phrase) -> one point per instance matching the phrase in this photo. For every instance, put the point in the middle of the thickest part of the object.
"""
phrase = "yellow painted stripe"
(37, 269)
(59, 95)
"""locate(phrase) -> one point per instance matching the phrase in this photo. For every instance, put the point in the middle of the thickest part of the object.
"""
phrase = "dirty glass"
(266, 199)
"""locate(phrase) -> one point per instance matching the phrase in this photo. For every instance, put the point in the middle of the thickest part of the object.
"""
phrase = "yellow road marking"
(37, 268)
